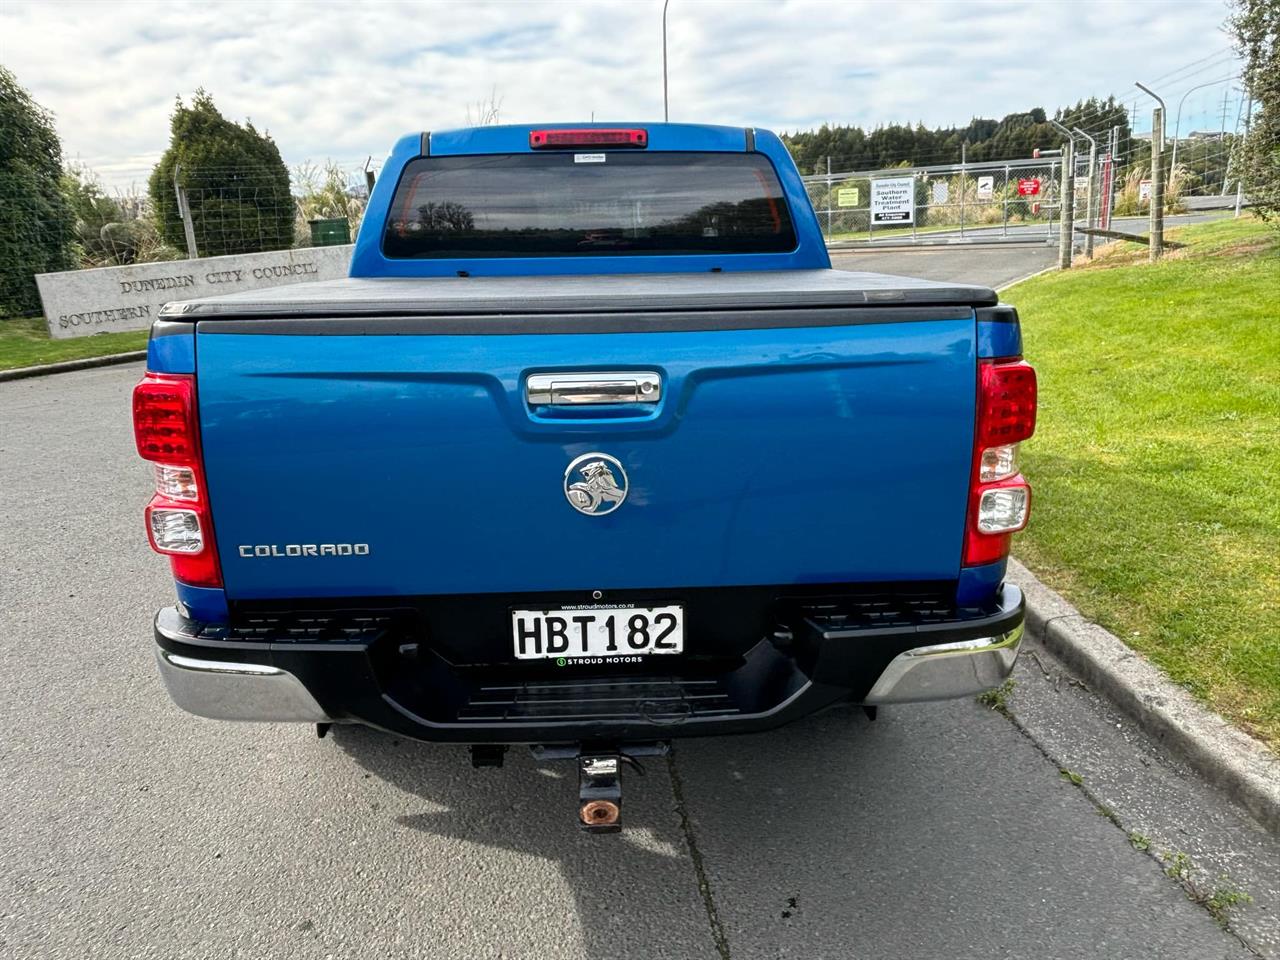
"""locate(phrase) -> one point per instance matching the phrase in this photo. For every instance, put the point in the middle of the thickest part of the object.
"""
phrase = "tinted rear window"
(565, 204)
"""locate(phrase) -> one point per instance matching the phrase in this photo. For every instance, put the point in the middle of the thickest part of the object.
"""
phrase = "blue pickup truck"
(592, 450)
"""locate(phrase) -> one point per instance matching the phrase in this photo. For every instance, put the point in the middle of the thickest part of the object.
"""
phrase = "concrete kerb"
(67, 366)
(1242, 767)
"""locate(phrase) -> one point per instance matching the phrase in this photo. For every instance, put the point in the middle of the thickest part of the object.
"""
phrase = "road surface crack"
(699, 868)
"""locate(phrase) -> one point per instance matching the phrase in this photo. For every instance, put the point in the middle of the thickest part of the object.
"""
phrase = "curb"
(67, 366)
(1230, 759)
(1005, 286)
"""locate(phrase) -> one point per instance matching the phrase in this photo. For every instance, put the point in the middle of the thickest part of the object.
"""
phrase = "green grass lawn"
(1156, 460)
(26, 342)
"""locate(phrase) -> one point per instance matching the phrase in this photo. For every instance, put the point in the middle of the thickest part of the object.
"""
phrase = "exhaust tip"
(600, 813)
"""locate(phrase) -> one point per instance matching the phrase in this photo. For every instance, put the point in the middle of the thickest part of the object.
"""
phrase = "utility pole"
(666, 113)
(1088, 202)
(1156, 243)
(964, 156)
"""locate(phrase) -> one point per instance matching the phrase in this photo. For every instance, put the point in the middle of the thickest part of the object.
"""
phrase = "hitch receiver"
(600, 792)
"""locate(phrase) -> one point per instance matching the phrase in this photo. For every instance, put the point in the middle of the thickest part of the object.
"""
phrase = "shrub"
(35, 221)
(237, 186)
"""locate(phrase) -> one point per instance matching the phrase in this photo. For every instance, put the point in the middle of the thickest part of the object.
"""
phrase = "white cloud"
(342, 80)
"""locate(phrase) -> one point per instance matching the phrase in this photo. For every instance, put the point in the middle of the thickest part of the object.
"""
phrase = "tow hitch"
(600, 792)
(600, 778)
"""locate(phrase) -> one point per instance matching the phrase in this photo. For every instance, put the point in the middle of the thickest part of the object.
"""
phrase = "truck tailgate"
(404, 457)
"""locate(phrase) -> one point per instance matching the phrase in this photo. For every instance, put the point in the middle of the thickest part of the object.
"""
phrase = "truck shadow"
(830, 837)
(635, 894)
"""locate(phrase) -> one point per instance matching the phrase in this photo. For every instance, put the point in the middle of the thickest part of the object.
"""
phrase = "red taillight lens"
(167, 433)
(164, 418)
(563, 139)
(1007, 403)
(999, 497)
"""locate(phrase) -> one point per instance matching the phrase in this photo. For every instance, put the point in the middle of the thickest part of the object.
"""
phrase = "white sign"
(848, 197)
(893, 200)
(986, 188)
(940, 191)
(78, 303)
(1144, 191)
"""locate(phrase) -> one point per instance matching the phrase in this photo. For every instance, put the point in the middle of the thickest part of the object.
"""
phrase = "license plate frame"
(605, 633)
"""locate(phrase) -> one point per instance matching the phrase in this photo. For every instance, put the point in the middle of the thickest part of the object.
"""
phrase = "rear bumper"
(282, 678)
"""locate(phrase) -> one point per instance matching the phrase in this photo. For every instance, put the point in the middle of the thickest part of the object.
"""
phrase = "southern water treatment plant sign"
(107, 299)
(893, 200)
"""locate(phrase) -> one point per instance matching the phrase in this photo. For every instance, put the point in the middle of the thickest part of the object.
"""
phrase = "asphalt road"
(1027, 233)
(940, 831)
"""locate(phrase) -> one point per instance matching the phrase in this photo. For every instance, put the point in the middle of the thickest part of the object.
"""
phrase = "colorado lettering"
(250, 551)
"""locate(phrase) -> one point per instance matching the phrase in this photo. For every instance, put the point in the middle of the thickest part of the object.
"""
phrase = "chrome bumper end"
(945, 671)
(237, 691)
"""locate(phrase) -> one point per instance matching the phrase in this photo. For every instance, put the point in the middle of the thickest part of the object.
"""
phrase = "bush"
(237, 186)
(35, 221)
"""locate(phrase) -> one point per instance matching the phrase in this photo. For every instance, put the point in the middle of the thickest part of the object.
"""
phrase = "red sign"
(1029, 187)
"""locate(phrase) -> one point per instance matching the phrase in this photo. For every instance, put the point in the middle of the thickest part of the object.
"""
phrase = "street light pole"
(1177, 123)
(666, 114)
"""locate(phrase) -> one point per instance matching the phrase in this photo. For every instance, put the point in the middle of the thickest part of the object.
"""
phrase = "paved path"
(943, 831)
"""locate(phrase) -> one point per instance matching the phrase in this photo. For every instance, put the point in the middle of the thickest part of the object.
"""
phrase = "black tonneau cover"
(596, 293)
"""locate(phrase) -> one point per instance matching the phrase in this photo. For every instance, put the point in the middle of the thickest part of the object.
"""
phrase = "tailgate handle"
(630, 386)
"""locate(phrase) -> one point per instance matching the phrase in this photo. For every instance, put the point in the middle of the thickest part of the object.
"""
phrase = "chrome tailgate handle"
(629, 386)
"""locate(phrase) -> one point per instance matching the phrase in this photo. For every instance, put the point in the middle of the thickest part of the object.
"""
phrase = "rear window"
(588, 204)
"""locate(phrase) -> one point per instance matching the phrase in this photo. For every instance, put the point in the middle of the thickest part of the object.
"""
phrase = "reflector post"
(590, 137)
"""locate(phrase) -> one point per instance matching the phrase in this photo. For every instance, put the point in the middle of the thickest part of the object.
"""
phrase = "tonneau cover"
(651, 292)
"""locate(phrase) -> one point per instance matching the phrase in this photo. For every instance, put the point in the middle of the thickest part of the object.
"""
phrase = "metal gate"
(1014, 201)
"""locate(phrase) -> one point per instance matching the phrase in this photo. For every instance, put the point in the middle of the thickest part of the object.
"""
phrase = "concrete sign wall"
(108, 299)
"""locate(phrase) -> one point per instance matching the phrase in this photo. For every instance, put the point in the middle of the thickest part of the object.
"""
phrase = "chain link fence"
(1004, 201)
(203, 213)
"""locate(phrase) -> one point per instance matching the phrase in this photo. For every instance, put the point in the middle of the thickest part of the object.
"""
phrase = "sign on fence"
(986, 188)
(848, 197)
(109, 299)
(1029, 186)
(940, 191)
(893, 200)
(1144, 191)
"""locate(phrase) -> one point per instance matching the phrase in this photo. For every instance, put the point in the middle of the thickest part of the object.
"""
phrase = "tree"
(486, 110)
(1256, 24)
(237, 186)
(35, 222)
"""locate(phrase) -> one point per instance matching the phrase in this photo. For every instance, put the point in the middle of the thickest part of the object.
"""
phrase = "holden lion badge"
(595, 484)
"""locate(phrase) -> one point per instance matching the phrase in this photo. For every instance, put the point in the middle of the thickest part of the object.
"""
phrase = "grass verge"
(1156, 459)
(25, 342)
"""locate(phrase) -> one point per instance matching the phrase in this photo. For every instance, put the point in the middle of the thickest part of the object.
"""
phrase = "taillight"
(590, 137)
(168, 434)
(999, 497)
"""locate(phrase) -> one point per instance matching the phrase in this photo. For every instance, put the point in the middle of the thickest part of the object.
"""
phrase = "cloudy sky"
(343, 79)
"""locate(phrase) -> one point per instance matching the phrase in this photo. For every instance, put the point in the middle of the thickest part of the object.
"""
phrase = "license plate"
(604, 632)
